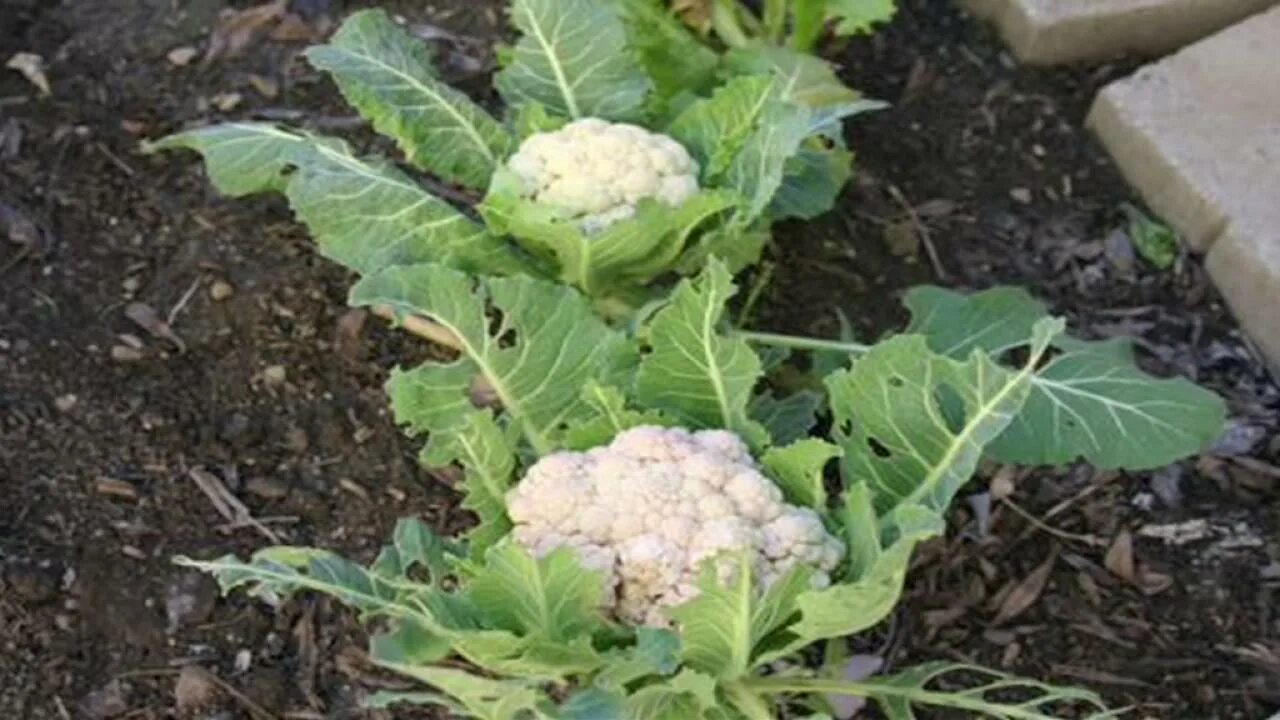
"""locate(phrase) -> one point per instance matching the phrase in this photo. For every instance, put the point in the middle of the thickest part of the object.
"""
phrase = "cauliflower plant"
(597, 171)
(655, 503)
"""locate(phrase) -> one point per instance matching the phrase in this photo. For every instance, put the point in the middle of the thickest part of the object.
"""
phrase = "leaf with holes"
(893, 413)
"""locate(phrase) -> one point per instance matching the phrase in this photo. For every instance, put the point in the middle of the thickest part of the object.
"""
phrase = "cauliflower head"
(655, 503)
(597, 171)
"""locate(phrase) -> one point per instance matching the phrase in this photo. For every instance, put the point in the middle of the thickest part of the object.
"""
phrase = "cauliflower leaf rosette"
(647, 545)
(608, 168)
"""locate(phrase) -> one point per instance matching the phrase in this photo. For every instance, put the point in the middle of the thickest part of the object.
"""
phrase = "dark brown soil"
(275, 391)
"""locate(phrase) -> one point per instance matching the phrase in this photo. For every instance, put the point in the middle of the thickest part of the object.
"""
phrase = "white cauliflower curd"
(597, 171)
(655, 503)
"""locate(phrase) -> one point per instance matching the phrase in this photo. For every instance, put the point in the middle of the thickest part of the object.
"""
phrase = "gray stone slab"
(1198, 133)
(1060, 31)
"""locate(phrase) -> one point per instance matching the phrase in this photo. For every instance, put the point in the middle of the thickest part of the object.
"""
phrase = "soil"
(156, 339)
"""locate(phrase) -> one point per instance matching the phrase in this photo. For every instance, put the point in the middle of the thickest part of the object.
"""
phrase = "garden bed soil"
(270, 388)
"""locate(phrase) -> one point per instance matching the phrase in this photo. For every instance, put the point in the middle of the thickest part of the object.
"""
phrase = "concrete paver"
(1198, 136)
(1059, 31)
(1245, 265)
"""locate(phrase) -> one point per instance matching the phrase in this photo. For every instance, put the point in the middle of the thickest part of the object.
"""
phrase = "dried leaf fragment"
(1119, 558)
(31, 66)
(237, 28)
(1025, 593)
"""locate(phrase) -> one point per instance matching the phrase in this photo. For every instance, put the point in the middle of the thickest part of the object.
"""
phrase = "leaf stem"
(801, 343)
(775, 20)
(724, 20)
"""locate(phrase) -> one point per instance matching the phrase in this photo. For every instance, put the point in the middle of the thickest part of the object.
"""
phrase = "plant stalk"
(775, 20)
(724, 20)
(801, 343)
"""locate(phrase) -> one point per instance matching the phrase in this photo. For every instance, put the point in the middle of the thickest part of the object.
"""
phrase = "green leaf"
(857, 17)
(488, 458)
(812, 181)
(715, 129)
(553, 597)
(851, 607)
(802, 78)
(993, 321)
(693, 372)
(971, 690)
(789, 419)
(797, 469)
(387, 75)
(890, 416)
(860, 530)
(690, 695)
(675, 60)
(953, 685)
(593, 704)
(1090, 401)
(478, 697)
(414, 544)
(243, 158)
(572, 57)
(756, 172)
(608, 416)
(1155, 241)
(546, 346)
(735, 246)
(656, 652)
(532, 118)
(629, 252)
(723, 629)
(275, 573)
(364, 214)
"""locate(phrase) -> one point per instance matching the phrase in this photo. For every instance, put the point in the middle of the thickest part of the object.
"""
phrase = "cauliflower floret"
(657, 503)
(597, 171)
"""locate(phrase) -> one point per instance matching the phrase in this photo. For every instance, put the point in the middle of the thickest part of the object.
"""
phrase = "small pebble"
(1022, 195)
(274, 375)
(221, 290)
(66, 402)
(182, 56)
(124, 353)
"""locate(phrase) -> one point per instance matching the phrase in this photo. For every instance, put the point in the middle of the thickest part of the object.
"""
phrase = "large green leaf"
(725, 630)
(386, 74)
(1090, 401)
(363, 213)
(631, 251)
(546, 346)
(573, 58)
(692, 371)
(894, 413)
(553, 597)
